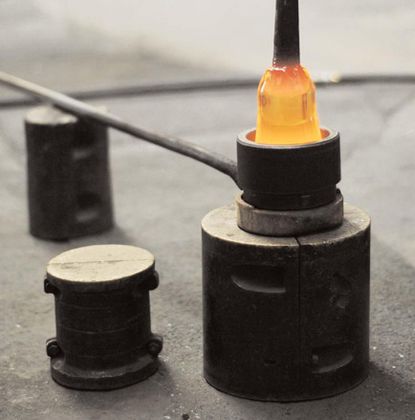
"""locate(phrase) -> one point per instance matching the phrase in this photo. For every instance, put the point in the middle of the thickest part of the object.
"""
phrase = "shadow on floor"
(381, 396)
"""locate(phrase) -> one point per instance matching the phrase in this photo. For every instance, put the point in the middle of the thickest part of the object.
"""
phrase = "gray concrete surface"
(161, 198)
(71, 56)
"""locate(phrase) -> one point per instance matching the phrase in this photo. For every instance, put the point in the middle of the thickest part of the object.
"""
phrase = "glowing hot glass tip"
(287, 109)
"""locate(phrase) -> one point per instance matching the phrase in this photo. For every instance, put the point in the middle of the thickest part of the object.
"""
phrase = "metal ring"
(289, 223)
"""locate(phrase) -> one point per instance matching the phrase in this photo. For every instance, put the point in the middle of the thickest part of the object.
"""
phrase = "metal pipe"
(81, 109)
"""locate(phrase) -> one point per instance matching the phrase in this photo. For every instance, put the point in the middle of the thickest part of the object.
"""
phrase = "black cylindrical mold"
(69, 186)
(294, 177)
(285, 319)
(103, 332)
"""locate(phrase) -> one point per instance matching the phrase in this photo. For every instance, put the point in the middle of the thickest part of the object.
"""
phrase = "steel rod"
(287, 37)
(74, 106)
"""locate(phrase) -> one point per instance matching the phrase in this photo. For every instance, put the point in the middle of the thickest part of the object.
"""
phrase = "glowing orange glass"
(287, 109)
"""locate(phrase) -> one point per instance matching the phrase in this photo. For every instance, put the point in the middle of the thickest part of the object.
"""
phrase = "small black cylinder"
(69, 184)
(297, 177)
(103, 332)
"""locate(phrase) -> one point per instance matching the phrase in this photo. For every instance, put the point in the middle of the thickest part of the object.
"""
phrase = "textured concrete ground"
(160, 199)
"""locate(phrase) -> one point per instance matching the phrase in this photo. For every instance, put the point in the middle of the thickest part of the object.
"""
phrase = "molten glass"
(287, 109)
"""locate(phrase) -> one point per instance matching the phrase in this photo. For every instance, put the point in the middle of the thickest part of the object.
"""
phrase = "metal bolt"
(52, 348)
(153, 282)
(50, 288)
(155, 345)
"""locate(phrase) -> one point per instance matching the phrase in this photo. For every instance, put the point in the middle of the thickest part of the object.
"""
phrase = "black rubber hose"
(332, 80)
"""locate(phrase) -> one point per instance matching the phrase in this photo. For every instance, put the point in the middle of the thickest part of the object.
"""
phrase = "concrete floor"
(377, 128)
(149, 186)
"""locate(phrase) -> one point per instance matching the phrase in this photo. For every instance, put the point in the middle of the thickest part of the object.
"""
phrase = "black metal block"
(335, 303)
(285, 319)
(69, 184)
(297, 177)
(103, 332)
